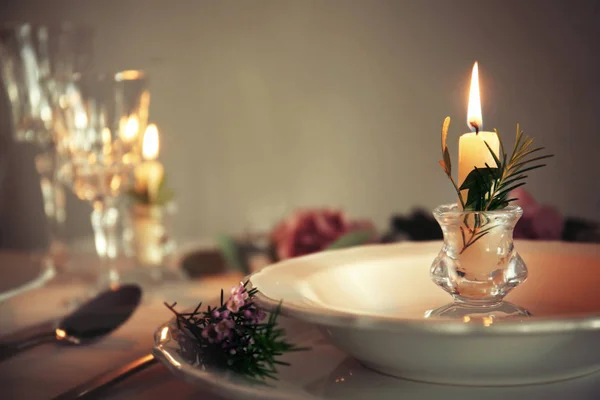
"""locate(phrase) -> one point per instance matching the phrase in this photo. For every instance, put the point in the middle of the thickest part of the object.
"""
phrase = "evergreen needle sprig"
(489, 187)
(234, 336)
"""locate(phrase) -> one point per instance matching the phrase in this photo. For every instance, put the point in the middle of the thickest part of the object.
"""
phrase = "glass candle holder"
(147, 235)
(478, 264)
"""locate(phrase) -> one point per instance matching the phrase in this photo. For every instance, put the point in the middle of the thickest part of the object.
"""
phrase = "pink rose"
(538, 221)
(312, 230)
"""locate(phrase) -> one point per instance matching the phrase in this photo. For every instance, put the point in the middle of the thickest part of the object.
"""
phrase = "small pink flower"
(211, 334)
(216, 314)
(224, 328)
(225, 314)
(254, 315)
(260, 315)
(235, 302)
(239, 290)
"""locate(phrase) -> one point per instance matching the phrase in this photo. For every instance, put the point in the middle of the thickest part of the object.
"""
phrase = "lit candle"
(149, 174)
(472, 151)
(128, 128)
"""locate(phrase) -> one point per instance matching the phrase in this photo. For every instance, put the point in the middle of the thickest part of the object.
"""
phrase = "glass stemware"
(98, 121)
(30, 57)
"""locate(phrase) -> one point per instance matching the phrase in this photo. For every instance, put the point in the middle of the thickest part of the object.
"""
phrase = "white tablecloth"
(49, 370)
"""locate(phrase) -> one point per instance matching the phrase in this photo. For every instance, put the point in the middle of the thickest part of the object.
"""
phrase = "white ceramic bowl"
(371, 301)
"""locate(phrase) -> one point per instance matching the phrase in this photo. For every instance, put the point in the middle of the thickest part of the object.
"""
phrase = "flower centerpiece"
(305, 231)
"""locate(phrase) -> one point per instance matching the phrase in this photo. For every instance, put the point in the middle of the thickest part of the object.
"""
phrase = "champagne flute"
(98, 122)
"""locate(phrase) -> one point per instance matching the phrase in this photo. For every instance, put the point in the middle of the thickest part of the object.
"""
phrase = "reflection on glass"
(31, 56)
(485, 316)
(478, 263)
(99, 151)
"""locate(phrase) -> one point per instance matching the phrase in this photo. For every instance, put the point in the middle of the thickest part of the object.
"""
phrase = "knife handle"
(94, 386)
(25, 339)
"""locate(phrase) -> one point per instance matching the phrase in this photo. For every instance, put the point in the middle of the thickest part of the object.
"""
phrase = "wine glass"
(98, 123)
(30, 57)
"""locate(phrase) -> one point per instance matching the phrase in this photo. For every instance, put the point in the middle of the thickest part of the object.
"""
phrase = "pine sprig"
(165, 194)
(233, 336)
(489, 187)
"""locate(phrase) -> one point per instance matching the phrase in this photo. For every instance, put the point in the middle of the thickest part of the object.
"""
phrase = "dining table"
(49, 370)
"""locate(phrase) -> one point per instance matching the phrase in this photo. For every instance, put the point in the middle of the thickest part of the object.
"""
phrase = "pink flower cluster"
(215, 333)
(237, 299)
(312, 230)
(223, 326)
(539, 221)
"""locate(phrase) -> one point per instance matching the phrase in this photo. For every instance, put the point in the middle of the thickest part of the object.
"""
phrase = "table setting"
(491, 296)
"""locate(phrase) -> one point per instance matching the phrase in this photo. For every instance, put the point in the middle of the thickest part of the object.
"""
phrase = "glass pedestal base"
(486, 314)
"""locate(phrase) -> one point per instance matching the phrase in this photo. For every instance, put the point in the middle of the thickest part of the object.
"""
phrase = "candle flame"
(474, 118)
(106, 137)
(150, 147)
(128, 128)
(129, 75)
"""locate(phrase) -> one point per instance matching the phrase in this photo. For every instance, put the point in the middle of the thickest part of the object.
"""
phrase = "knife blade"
(96, 385)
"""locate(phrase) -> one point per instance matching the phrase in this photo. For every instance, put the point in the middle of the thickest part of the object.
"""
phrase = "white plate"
(22, 272)
(371, 301)
(324, 372)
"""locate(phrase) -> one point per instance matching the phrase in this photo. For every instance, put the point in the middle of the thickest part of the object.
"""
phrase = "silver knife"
(96, 385)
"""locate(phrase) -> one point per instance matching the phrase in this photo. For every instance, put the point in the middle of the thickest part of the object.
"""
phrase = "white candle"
(472, 151)
(150, 173)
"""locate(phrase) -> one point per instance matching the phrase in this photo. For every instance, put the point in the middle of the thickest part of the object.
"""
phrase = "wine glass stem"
(104, 222)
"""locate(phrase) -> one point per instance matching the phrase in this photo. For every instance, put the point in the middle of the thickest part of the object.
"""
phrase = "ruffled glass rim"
(452, 210)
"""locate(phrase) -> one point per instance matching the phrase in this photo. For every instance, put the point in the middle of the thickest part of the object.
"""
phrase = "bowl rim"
(330, 317)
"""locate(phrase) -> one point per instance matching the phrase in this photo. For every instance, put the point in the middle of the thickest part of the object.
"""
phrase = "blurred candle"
(128, 128)
(149, 174)
(472, 151)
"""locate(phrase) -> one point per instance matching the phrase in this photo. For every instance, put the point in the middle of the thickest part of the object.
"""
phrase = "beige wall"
(271, 104)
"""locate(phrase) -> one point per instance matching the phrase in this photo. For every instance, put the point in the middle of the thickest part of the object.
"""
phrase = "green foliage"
(164, 196)
(489, 187)
(351, 239)
(251, 349)
(232, 254)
